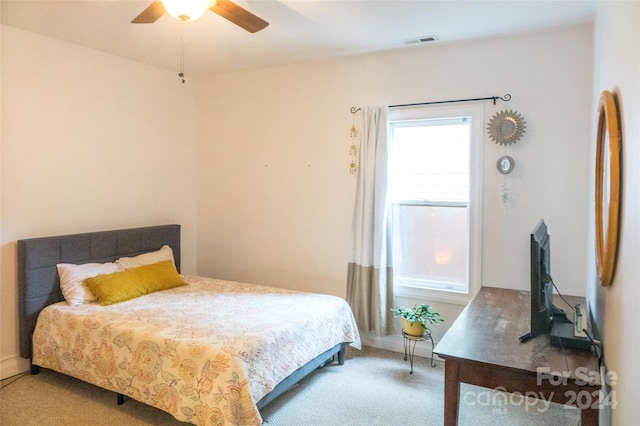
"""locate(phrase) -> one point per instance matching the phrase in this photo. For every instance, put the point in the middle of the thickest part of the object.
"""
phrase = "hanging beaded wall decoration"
(506, 128)
(353, 150)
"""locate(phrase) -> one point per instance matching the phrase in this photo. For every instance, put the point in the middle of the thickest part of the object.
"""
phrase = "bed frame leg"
(33, 369)
(120, 399)
(341, 356)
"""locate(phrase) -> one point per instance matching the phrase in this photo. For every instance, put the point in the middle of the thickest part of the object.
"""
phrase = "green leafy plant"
(421, 314)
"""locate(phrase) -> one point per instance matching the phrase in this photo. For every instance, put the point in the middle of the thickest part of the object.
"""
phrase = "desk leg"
(451, 392)
(589, 417)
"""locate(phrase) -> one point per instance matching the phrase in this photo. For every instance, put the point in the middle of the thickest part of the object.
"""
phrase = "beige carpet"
(374, 387)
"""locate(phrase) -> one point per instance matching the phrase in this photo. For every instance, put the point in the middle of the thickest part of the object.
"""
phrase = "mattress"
(206, 353)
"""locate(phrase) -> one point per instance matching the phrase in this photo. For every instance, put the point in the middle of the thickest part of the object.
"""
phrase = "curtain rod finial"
(506, 98)
(354, 110)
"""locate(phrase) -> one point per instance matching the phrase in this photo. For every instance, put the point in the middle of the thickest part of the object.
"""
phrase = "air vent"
(425, 39)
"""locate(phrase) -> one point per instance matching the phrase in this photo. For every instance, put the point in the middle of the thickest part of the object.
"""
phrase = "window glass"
(430, 161)
(432, 199)
(430, 246)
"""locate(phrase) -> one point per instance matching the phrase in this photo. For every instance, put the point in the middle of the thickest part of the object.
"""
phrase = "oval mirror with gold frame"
(607, 187)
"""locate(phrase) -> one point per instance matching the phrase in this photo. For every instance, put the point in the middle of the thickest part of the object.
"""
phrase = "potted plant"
(414, 320)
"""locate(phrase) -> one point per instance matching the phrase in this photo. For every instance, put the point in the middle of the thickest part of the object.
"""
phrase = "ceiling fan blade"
(239, 16)
(151, 14)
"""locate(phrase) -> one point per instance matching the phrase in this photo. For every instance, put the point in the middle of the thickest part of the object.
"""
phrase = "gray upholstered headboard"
(38, 281)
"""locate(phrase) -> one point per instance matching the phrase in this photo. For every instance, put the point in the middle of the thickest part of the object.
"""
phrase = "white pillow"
(72, 277)
(165, 253)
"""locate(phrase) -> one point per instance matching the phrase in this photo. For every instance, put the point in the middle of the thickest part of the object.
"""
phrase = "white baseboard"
(395, 343)
(11, 366)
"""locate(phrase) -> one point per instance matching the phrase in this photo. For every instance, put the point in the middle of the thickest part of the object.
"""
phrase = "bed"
(210, 352)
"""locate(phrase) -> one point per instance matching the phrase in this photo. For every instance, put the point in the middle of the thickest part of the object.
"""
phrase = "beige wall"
(617, 68)
(275, 197)
(90, 141)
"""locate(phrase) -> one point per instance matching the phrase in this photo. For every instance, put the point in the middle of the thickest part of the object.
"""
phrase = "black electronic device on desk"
(543, 312)
(546, 318)
(567, 334)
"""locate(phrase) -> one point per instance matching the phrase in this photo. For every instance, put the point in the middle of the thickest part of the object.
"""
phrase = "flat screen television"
(545, 317)
(542, 309)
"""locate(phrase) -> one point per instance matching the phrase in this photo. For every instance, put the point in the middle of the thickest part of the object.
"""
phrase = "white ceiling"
(299, 30)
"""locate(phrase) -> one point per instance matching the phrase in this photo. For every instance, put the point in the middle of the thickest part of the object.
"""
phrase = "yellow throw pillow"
(136, 282)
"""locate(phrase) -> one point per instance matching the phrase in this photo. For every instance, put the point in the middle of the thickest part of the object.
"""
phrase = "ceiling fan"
(180, 10)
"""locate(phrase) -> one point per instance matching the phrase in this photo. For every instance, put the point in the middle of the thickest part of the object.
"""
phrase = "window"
(434, 189)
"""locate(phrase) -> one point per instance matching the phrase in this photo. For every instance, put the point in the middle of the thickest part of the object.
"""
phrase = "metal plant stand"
(409, 349)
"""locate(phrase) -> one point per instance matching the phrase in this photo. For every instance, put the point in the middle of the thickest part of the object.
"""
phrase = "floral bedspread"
(206, 353)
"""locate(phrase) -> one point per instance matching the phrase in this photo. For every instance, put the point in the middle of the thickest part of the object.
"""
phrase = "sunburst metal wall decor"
(506, 127)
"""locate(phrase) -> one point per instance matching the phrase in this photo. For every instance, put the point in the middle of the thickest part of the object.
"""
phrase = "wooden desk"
(482, 348)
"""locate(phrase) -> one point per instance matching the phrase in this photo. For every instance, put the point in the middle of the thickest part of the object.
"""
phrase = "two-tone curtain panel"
(370, 275)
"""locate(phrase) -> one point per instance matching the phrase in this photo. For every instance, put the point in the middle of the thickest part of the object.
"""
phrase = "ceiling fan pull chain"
(181, 73)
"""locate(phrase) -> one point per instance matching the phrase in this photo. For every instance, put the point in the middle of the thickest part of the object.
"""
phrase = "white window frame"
(476, 112)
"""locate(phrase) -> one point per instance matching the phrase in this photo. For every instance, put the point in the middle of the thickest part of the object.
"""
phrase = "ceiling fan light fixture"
(187, 10)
